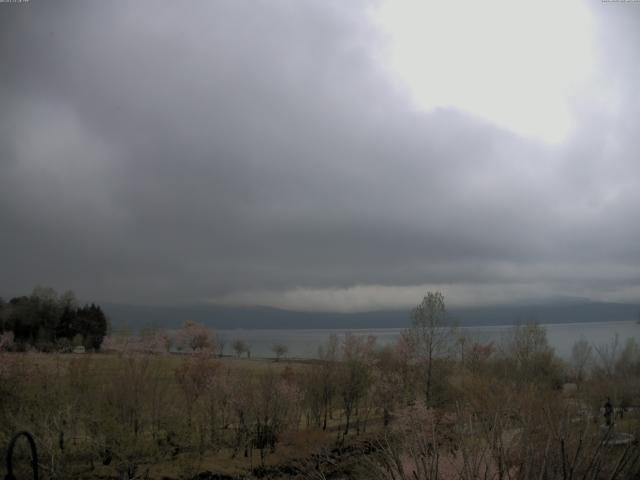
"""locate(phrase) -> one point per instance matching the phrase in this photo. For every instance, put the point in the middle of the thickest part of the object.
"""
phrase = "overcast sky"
(320, 154)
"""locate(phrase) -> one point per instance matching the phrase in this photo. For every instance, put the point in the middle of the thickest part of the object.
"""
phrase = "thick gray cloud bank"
(261, 153)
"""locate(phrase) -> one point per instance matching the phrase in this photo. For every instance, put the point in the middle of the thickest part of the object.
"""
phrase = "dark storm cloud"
(163, 152)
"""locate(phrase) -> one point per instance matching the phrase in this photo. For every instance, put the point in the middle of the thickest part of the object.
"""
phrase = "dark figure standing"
(608, 412)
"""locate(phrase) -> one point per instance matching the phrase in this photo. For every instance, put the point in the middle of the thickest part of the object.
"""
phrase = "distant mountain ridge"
(220, 317)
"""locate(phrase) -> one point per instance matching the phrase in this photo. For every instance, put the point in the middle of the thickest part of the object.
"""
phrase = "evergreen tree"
(44, 318)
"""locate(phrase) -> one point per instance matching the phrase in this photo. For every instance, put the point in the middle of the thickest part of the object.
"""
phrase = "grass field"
(361, 413)
(102, 403)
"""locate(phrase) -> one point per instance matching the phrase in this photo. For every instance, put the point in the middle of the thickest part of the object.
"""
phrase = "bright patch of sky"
(516, 64)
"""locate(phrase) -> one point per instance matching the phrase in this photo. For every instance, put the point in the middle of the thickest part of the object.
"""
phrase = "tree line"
(50, 322)
(441, 404)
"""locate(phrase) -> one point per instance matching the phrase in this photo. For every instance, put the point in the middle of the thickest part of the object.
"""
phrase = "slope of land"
(219, 317)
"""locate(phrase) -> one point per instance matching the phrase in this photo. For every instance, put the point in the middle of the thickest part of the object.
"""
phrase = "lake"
(304, 343)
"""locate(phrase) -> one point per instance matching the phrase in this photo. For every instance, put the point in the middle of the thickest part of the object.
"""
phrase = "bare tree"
(412, 449)
(274, 401)
(219, 345)
(528, 357)
(193, 377)
(239, 346)
(581, 355)
(526, 341)
(430, 334)
(196, 337)
(388, 382)
(629, 359)
(607, 356)
(6, 341)
(326, 375)
(280, 350)
(354, 372)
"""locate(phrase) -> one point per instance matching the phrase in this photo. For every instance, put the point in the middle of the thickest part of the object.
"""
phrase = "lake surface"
(304, 343)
